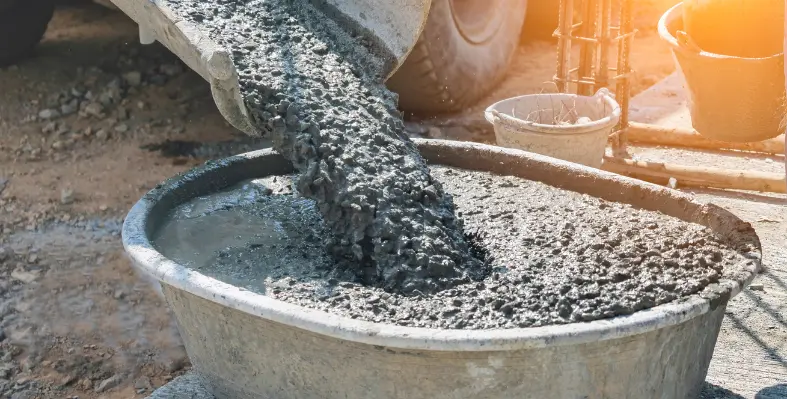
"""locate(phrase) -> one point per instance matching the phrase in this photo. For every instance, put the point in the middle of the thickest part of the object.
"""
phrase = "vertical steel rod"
(565, 23)
(587, 49)
(623, 86)
(605, 33)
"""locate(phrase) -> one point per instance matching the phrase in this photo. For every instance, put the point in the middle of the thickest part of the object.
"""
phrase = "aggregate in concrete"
(557, 256)
(316, 88)
(187, 386)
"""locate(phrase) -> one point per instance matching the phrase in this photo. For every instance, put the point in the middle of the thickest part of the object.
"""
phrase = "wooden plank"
(697, 176)
(681, 137)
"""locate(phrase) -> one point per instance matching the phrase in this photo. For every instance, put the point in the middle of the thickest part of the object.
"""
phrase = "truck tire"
(542, 19)
(22, 25)
(463, 52)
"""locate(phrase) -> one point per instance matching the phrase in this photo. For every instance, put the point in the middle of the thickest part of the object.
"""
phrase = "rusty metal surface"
(596, 35)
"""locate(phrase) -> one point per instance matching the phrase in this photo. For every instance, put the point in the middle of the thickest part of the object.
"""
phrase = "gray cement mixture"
(316, 88)
(556, 256)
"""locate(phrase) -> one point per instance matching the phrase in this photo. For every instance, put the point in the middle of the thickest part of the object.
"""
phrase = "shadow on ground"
(766, 198)
(710, 391)
(773, 392)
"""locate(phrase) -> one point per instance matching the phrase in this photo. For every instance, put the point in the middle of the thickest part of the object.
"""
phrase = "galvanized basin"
(250, 346)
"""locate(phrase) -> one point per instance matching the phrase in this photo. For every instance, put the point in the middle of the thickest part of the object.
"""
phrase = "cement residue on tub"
(316, 87)
(246, 234)
(557, 256)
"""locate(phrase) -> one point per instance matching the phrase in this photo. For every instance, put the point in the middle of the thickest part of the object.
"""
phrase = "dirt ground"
(75, 321)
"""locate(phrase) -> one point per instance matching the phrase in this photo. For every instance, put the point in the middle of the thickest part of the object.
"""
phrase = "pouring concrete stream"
(248, 345)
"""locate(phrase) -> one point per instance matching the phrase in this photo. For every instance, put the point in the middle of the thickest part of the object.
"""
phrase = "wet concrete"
(191, 386)
(557, 256)
(316, 88)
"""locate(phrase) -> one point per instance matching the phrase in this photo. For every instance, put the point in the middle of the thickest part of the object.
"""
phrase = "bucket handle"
(602, 93)
(549, 87)
(505, 119)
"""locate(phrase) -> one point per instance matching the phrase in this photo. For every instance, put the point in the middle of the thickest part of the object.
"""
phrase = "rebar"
(623, 85)
(605, 34)
(563, 32)
(587, 48)
(594, 34)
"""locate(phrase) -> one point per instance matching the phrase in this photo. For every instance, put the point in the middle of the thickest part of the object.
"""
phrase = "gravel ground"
(58, 301)
(557, 256)
(75, 320)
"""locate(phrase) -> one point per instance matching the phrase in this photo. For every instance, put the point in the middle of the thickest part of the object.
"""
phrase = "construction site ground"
(95, 120)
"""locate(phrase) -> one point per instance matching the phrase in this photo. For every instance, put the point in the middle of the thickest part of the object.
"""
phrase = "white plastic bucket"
(529, 123)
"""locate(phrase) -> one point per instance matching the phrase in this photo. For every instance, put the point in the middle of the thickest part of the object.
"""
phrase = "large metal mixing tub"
(251, 346)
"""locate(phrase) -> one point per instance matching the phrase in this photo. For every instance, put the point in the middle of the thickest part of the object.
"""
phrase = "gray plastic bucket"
(530, 123)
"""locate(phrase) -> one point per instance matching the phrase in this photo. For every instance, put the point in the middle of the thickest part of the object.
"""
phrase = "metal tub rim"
(675, 13)
(140, 222)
